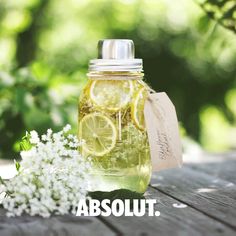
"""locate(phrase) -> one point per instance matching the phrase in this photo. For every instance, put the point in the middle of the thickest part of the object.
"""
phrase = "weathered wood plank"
(225, 170)
(216, 199)
(172, 221)
(68, 225)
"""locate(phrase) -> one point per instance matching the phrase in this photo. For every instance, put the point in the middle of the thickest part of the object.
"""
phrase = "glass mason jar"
(111, 120)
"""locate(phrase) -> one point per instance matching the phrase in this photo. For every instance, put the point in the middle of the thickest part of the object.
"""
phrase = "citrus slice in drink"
(99, 133)
(137, 108)
(111, 95)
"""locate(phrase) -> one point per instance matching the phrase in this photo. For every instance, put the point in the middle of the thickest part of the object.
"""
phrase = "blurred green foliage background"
(188, 47)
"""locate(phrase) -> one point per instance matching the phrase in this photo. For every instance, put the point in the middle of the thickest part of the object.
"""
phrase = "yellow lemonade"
(112, 125)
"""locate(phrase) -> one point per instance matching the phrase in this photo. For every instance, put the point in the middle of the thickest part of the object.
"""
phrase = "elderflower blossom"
(52, 176)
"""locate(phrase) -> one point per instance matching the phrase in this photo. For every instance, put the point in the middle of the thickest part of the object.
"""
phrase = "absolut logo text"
(117, 207)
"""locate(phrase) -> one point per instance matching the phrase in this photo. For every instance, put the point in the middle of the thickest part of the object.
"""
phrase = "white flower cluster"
(52, 176)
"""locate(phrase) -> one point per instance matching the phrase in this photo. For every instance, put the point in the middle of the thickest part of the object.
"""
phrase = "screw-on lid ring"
(116, 55)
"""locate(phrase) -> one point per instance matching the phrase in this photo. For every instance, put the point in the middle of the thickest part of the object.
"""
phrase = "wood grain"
(68, 225)
(172, 221)
(225, 170)
(216, 199)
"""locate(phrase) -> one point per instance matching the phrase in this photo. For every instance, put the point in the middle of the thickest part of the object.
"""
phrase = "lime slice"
(111, 95)
(137, 108)
(99, 133)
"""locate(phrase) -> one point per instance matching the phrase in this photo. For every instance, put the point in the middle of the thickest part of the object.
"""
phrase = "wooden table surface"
(208, 189)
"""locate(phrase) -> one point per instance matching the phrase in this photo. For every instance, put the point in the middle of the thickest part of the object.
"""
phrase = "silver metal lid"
(116, 55)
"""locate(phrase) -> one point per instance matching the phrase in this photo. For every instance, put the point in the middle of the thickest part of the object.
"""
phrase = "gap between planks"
(172, 221)
(185, 182)
(110, 226)
(195, 208)
(224, 170)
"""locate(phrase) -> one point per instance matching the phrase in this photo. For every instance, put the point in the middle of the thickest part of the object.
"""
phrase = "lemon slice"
(111, 95)
(99, 133)
(137, 108)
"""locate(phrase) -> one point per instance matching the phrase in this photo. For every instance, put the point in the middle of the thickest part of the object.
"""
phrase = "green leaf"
(17, 165)
(2, 181)
(121, 194)
(25, 144)
(116, 194)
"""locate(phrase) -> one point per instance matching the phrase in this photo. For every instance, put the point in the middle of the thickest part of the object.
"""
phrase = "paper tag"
(163, 133)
